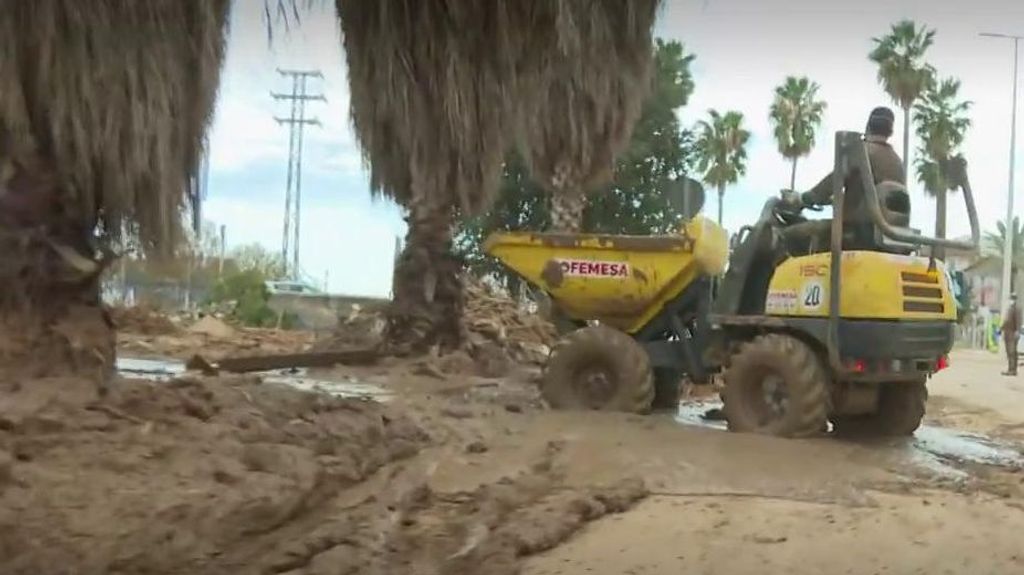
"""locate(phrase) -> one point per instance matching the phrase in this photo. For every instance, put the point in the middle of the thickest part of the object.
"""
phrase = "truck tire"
(901, 407)
(599, 368)
(668, 389)
(796, 404)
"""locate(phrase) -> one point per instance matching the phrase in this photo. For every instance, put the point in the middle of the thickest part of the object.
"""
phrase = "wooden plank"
(270, 362)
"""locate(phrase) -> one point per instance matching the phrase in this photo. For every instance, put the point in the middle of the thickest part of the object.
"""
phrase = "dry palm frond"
(114, 96)
(433, 94)
(587, 74)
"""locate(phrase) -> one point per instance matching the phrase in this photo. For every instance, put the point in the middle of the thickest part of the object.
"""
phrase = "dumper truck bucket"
(622, 281)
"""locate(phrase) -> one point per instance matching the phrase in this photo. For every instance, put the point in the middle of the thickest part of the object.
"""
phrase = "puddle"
(350, 387)
(166, 369)
(692, 413)
(951, 446)
(153, 369)
(937, 449)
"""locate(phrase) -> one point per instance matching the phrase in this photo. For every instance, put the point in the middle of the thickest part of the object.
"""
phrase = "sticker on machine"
(594, 269)
(812, 295)
(781, 301)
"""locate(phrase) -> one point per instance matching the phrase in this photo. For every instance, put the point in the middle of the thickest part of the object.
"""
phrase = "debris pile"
(360, 328)
(499, 333)
(497, 325)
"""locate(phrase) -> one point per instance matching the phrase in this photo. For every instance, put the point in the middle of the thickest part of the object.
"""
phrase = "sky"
(744, 48)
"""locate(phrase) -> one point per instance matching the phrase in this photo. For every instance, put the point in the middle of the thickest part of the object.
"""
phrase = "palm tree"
(435, 109)
(941, 124)
(721, 151)
(994, 243)
(103, 114)
(583, 104)
(902, 71)
(796, 114)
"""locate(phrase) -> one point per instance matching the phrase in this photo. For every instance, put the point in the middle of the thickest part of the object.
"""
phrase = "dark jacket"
(885, 166)
(1012, 320)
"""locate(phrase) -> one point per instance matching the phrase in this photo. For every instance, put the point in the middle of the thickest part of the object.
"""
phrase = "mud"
(280, 473)
(199, 467)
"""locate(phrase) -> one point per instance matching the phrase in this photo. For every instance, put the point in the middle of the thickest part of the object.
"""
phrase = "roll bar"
(853, 145)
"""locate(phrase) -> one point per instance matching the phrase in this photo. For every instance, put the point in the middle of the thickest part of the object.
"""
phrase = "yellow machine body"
(621, 281)
(875, 285)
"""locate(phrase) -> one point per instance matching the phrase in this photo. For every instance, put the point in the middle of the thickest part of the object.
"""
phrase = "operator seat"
(813, 236)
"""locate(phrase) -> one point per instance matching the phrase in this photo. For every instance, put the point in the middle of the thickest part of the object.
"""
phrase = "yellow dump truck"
(803, 331)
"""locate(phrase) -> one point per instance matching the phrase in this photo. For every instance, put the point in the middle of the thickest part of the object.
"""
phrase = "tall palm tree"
(941, 124)
(902, 71)
(103, 111)
(721, 151)
(439, 91)
(796, 114)
(584, 103)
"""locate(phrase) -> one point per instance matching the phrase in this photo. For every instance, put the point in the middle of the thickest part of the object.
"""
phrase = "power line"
(296, 122)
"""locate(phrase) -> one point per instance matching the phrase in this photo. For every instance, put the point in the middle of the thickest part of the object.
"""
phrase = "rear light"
(942, 363)
(858, 366)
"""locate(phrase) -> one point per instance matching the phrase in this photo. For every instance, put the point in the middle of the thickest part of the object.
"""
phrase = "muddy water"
(938, 450)
(166, 369)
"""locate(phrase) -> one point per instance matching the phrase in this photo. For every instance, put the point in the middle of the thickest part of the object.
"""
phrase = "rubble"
(500, 332)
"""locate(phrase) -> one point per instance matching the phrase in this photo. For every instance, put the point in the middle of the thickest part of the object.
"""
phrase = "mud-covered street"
(413, 467)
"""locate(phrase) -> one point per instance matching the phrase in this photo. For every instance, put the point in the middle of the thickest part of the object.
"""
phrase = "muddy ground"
(400, 469)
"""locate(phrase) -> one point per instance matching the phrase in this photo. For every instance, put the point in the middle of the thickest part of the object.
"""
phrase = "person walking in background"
(1011, 331)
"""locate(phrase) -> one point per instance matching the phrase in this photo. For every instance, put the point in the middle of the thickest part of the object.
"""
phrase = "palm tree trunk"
(428, 301)
(52, 320)
(792, 177)
(906, 143)
(567, 211)
(721, 197)
(940, 213)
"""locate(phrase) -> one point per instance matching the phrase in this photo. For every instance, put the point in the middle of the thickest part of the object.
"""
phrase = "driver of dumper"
(885, 166)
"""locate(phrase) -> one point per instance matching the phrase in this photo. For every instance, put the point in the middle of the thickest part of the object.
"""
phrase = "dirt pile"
(143, 320)
(212, 327)
(230, 475)
(163, 478)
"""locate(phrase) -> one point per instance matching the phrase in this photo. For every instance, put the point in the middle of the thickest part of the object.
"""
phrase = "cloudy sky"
(744, 49)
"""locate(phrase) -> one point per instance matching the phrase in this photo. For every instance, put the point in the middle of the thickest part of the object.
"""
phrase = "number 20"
(813, 296)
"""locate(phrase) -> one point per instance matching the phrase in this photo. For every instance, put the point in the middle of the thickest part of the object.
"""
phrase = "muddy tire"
(599, 368)
(901, 406)
(776, 385)
(668, 389)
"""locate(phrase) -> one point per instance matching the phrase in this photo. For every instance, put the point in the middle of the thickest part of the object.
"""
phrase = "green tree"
(796, 114)
(254, 257)
(941, 124)
(636, 202)
(902, 71)
(244, 285)
(721, 150)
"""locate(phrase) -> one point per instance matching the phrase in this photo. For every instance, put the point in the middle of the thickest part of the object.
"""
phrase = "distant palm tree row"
(932, 106)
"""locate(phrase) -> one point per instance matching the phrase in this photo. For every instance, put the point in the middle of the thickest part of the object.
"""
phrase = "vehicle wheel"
(599, 368)
(668, 389)
(776, 385)
(901, 406)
